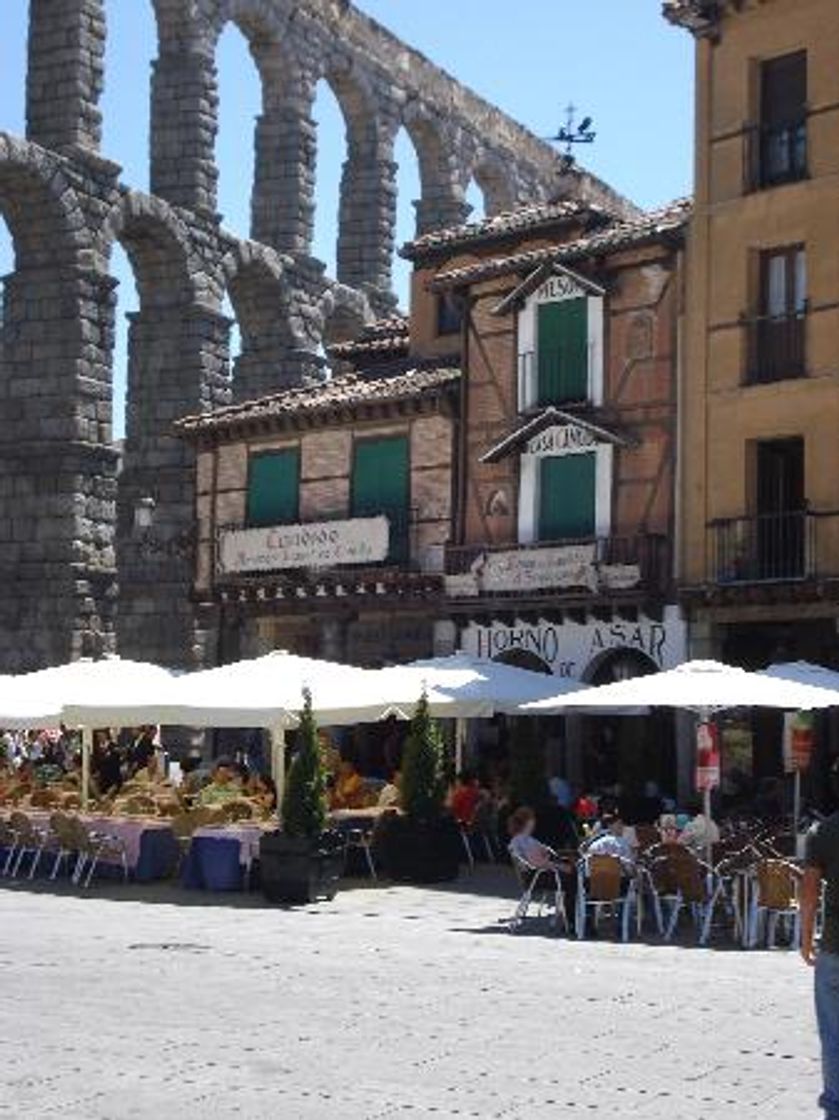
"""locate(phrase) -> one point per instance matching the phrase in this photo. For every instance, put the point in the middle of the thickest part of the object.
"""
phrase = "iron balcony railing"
(612, 559)
(776, 154)
(777, 348)
(772, 547)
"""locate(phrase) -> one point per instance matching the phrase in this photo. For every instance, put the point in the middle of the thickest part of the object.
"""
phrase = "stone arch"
(41, 209)
(495, 178)
(441, 203)
(159, 246)
(276, 329)
(344, 313)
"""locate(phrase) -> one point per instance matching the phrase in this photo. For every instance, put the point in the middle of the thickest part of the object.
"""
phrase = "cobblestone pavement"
(399, 1002)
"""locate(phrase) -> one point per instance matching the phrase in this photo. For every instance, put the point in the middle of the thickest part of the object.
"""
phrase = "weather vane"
(572, 133)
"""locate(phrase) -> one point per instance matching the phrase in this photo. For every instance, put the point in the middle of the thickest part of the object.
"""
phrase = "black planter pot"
(419, 851)
(298, 871)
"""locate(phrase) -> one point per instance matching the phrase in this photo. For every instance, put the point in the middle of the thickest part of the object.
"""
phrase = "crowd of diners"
(129, 773)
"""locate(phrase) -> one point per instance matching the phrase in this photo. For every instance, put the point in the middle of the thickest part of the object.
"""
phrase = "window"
(449, 313)
(381, 485)
(781, 509)
(567, 497)
(782, 148)
(562, 351)
(778, 342)
(274, 488)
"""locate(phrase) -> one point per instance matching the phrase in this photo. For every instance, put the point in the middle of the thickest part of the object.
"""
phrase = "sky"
(617, 60)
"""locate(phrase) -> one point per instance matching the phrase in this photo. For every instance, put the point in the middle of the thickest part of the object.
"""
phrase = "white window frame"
(556, 289)
(530, 474)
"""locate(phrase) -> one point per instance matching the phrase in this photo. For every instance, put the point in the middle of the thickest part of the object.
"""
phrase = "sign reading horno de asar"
(325, 544)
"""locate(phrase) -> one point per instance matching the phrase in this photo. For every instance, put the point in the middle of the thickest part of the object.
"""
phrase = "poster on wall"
(799, 735)
(707, 757)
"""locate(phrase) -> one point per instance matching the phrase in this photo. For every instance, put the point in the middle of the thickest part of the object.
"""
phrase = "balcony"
(776, 547)
(605, 566)
(776, 154)
(777, 348)
(528, 378)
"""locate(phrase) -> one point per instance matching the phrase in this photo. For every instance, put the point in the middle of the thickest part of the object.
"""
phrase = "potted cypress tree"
(423, 844)
(303, 862)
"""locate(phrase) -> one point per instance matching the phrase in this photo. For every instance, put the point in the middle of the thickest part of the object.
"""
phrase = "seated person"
(465, 797)
(222, 786)
(349, 787)
(610, 841)
(390, 795)
(151, 774)
(525, 848)
(261, 789)
(700, 832)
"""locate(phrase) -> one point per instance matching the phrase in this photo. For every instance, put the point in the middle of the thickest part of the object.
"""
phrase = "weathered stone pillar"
(184, 100)
(441, 208)
(177, 360)
(65, 73)
(367, 223)
(57, 470)
(283, 203)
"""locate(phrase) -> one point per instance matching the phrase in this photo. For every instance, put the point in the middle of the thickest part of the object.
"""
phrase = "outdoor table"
(346, 820)
(151, 850)
(220, 858)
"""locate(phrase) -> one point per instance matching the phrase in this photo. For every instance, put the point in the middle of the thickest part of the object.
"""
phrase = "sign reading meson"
(325, 544)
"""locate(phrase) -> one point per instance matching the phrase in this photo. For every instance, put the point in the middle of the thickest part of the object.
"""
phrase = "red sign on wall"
(707, 757)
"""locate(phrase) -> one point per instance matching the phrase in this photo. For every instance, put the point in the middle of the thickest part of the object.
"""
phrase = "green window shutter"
(567, 487)
(562, 351)
(274, 488)
(381, 484)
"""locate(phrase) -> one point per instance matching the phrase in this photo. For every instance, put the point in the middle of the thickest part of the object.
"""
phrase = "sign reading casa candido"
(325, 544)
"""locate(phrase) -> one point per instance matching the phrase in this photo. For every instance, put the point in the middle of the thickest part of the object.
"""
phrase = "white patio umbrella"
(71, 693)
(700, 686)
(475, 687)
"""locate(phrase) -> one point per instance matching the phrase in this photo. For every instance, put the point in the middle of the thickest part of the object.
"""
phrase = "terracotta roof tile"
(619, 235)
(385, 336)
(348, 390)
(699, 16)
(521, 220)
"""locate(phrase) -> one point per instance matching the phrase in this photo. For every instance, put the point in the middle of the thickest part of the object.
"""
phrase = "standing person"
(822, 864)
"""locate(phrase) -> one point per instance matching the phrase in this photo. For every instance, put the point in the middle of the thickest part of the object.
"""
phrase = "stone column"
(283, 203)
(367, 223)
(65, 73)
(57, 469)
(177, 360)
(184, 101)
(441, 208)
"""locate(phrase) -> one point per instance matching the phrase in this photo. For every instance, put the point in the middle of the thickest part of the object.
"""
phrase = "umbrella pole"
(796, 804)
(87, 745)
(459, 743)
(278, 763)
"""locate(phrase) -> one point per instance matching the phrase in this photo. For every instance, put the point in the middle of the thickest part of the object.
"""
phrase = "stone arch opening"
(240, 91)
(329, 158)
(130, 40)
(409, 198)
(474, 202)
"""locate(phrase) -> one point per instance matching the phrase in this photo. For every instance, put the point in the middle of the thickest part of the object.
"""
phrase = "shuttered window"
(274, 488)
(562, 351)
(567, 490)
(381, 485)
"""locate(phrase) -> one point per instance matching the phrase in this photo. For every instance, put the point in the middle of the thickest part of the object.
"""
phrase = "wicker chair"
(237, 809)
(680, 879)
(602, 885)
(774, 898)
(27, 838)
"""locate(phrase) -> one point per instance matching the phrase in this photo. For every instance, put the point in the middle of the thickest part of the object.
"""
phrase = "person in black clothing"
(106, 763)
(142, 749)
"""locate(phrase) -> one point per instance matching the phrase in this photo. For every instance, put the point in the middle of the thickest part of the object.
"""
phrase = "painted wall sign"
(559, 287)
(362, 540)
(539, 569)
(559, 438)
(569, 649)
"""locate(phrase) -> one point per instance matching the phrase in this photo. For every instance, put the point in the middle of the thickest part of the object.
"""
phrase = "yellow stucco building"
(759, 465)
